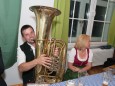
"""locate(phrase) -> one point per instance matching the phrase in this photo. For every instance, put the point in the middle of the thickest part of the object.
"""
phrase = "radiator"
(101, 55)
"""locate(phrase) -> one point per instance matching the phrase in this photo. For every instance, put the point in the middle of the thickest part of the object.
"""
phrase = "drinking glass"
(81, 77)
(113, 72)
(107, 77)
(70, 83)
(80, 83)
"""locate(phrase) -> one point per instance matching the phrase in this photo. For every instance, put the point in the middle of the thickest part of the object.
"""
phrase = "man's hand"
(43, 60)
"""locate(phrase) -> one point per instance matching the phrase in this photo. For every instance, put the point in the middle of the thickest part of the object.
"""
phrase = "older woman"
(80, 57)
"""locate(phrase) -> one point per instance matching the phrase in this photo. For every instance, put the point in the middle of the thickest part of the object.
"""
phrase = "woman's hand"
(77, 69)
(81, 70)
(73, 68)
(86, 68)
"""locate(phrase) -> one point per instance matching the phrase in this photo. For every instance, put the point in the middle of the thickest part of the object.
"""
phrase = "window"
(90, 17)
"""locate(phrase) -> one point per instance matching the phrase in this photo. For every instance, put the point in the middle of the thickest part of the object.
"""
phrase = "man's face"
(29, 35)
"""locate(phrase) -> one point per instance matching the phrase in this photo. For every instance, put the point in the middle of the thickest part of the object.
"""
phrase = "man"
(26, 54)
(2, 82)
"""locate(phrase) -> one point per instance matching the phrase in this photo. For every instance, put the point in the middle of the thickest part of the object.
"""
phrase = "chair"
(110, 61)
(2, 82)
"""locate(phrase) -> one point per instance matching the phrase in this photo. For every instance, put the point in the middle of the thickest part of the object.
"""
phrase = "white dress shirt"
(21, 58)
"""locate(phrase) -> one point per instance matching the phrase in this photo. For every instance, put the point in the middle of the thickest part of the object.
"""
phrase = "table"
(91, 80)
(112, 66)
(17, 85)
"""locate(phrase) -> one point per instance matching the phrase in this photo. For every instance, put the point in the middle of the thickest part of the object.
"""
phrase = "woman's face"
(87, 44)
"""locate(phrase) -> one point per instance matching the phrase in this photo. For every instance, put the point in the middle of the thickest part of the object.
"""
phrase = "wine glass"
(81, 76)
(107, 76)
(113, 72)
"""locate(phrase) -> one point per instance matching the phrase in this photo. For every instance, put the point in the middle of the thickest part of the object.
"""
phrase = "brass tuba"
(44, 44)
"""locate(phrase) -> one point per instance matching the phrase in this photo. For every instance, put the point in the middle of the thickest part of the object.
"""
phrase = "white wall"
(12, 75)
(27, 16)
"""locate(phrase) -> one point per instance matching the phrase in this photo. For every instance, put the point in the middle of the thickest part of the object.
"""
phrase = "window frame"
(93, 4)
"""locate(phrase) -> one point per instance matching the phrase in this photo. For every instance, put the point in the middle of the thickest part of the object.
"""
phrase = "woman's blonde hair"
(81, 41)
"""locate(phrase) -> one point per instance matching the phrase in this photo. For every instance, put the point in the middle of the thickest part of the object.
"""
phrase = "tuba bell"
(44, 44)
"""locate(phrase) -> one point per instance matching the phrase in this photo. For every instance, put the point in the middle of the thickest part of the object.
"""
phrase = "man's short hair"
(24, 27)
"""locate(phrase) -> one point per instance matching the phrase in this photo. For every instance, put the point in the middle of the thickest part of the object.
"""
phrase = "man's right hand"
(43, 60)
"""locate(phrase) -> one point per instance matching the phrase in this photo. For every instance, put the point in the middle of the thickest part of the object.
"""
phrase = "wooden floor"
(95, 70)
